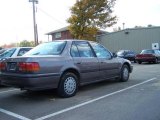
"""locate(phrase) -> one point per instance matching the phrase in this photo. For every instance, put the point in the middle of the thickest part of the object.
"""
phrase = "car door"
(85, 60)
(109, 66)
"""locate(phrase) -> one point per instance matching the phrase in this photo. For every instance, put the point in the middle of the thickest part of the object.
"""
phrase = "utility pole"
(34, 21)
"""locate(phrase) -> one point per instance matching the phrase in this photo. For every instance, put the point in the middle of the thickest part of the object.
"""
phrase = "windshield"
(52, 48)
(8, 53)
(119, 53)
(147, 52)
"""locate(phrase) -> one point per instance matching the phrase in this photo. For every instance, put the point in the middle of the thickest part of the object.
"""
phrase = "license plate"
(12, 66)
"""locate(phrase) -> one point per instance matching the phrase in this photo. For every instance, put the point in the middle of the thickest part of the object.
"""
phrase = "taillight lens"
(2, 66)
(28, 66)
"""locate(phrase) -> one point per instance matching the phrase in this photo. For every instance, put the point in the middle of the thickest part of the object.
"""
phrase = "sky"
(16, 18)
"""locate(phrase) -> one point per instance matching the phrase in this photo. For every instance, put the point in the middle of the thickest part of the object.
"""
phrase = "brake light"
(2, 65)
(28, 66)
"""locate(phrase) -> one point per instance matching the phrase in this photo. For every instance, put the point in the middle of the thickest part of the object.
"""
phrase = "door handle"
(78, 63)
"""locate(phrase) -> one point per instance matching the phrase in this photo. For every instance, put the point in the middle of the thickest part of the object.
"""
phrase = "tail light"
(28, 66)
(2, 66)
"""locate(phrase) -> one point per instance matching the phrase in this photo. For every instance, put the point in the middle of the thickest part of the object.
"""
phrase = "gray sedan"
(64, 65)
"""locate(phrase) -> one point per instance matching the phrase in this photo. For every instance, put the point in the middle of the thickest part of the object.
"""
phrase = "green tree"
(26, 43)
(88, 16)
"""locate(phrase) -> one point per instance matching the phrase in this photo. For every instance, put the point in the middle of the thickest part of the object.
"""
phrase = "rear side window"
(74, 51)
(84, 49)
(22, 51)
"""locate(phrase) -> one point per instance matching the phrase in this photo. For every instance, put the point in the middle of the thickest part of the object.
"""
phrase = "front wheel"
(68, 85)
(139, 62)
(156, 61)
(124, 73)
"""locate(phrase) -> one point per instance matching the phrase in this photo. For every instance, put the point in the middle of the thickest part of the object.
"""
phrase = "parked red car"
(148, 56)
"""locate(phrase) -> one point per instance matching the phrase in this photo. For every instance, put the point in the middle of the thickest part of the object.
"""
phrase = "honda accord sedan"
(64, 65)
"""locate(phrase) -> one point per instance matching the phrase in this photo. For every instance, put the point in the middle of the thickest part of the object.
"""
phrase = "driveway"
(137, 99)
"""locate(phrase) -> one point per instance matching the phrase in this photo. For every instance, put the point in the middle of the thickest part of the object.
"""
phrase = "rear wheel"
(68, 85)
(139, 62)
(124, 73)
(156, 61)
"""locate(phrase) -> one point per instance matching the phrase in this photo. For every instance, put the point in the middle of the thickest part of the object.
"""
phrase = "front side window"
(100, 51)
(131, 52)
(51, 48)
(84, 49)
(8, 53)
(157, 52)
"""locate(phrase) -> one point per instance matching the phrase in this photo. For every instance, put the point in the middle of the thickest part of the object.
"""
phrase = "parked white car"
(14, 52)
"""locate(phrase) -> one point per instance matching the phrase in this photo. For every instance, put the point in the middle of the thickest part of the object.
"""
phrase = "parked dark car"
(65, 65)
(127, 54)
(151, 56)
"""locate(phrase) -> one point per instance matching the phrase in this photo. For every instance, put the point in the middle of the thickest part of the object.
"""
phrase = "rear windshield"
(52, 48)
(147, 52)
(22, 51)
(8, 53)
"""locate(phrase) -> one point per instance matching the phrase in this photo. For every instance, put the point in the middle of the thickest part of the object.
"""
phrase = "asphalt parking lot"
(137, 99)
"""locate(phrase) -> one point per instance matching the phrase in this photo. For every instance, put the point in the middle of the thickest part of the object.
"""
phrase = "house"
(64, 33)
(134, 39)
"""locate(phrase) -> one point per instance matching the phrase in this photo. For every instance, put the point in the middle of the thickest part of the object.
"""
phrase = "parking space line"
(14, 114)
(8, 91)
(93, 100)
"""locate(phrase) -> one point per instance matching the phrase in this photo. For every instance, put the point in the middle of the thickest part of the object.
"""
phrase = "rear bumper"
(28, 82)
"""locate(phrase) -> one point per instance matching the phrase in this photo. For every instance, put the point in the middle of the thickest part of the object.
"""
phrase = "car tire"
(68, 85)
(139, 62)
(124, 73)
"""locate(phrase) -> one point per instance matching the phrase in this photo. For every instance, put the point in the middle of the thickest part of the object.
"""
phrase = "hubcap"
(125, 73)
(70, 85)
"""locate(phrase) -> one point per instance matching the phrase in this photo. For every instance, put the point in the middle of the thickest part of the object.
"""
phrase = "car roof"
(69, 40)
(147, 49)
(19, 47)
(125, 50)
(22, 47)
